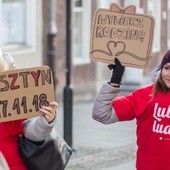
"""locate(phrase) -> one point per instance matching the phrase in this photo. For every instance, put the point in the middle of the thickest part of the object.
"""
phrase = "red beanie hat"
(166, 59)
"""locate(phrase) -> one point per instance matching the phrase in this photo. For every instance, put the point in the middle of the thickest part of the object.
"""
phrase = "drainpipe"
(68, 91)
(51, 37)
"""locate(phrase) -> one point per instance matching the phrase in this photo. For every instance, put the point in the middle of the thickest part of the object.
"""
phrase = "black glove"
(117, 73)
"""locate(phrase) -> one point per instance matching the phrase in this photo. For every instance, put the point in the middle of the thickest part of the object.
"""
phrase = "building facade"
(27, 24)
(87, 76)
(21, 31)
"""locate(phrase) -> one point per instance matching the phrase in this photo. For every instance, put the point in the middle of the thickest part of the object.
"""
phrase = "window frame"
(156, 13)
(30, 28)
(167, 14)
(86, 26)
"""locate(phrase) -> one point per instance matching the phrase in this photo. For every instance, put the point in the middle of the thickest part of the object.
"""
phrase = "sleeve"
(102, 108)
(37, 128)
(3, 162)
(125, 107)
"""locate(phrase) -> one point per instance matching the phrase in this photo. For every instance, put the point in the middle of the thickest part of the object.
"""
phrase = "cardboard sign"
(123, 34)
(23, 91)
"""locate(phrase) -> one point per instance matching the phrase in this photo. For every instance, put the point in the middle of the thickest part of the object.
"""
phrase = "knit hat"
(166, 59)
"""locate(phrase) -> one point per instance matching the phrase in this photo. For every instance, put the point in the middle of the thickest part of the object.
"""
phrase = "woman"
(150, 106)
(36, 129)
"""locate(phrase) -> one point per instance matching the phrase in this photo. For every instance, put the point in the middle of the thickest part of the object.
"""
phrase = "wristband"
(112, 84)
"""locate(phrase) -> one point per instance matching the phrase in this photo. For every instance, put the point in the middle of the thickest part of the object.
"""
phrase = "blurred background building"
(34, 32)
(26, 24)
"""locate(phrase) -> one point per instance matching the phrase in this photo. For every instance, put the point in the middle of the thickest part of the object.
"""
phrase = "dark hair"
(160, 86)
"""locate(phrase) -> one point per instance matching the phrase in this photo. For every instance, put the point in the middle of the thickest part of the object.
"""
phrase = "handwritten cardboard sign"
(123, 34)
(23, 91)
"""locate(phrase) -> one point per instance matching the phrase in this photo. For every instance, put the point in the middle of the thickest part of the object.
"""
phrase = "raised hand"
(117, 73)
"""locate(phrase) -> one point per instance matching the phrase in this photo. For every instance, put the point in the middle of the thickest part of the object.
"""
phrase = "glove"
(117, 73)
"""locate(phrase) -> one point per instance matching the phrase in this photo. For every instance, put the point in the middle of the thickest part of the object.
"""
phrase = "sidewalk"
(98, 146)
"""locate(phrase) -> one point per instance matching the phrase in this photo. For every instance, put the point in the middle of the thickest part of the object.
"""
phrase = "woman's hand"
(118, 71)
(49, 112)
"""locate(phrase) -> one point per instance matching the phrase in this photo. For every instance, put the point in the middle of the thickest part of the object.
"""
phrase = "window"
(13, 16)
(133, 2)
(106, 3)
(81, 31)
(168, 23)
(17, 23)
(155, 10)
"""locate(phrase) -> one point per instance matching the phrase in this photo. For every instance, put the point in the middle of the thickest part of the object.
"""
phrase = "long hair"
(160, 86)
(11, 127)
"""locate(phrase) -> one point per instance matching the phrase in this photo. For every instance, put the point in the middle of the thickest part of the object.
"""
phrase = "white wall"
(30, 56)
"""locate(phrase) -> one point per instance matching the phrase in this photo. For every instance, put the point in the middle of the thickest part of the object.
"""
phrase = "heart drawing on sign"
(115, 49)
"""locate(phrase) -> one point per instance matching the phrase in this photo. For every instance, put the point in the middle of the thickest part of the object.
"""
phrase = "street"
(97, 146)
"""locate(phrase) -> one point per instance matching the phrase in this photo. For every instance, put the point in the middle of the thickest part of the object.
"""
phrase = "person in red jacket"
(149, 105)
(36, 129)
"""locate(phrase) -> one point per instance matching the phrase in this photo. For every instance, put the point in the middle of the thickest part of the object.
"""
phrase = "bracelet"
(116, 86)
(113, 85)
